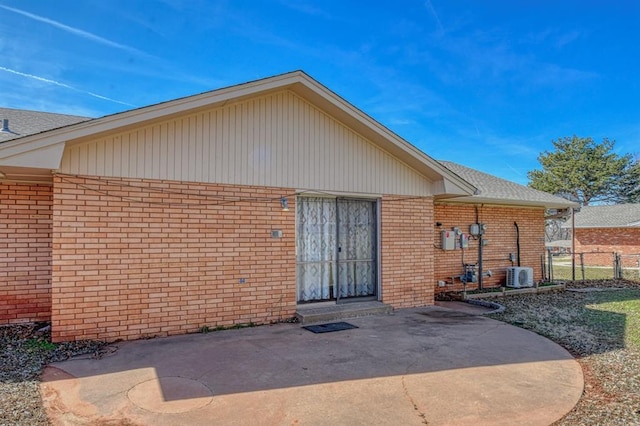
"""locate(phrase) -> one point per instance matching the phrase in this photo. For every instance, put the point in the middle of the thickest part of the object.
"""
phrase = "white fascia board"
(297, 81)
(505, 202)
(135, 117)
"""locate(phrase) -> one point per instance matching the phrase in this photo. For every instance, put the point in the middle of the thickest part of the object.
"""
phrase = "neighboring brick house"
(601, 231)
(231, 206)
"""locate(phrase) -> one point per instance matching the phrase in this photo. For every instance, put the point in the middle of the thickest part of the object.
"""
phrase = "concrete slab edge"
(497, 308)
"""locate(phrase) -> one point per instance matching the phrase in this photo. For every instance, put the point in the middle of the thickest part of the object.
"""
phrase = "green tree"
(584, 170)
(627, 188)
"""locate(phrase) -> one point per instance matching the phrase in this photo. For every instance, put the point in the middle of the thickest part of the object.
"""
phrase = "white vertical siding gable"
(279, 139)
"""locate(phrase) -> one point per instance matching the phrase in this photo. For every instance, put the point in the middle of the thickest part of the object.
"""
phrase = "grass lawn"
(562, 271)
(616, 313)
(602, 330)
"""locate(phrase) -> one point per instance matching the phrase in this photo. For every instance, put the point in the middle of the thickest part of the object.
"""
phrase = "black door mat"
(328, 328)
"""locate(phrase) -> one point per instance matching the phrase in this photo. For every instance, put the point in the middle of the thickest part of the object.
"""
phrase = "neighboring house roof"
(494, 190)
(22, 122)
(615, 216)
(38, 154)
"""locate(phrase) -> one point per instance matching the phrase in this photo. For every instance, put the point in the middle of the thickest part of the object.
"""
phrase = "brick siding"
(171, 263)
(25, 245)
(407, 251)
(135, 258)
(599, 244)
(501, 237)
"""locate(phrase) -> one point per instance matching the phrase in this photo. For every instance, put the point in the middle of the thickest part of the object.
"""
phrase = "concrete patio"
(428, 365)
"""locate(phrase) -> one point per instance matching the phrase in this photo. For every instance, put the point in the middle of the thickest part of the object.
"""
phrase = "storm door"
(336, 249)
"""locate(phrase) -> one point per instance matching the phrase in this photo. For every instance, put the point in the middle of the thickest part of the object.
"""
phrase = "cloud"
(552, 37)
(66, 86)
(306, 8)
(75, 31)
(567, 38)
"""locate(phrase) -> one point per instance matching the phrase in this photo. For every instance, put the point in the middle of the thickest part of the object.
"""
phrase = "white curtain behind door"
(316, 247)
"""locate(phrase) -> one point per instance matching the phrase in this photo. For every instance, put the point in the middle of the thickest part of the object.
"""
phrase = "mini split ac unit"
(519, 277)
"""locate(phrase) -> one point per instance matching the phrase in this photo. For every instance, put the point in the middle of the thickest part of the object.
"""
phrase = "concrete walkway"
(417, 366)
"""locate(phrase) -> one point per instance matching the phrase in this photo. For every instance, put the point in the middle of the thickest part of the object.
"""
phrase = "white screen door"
(336, 248)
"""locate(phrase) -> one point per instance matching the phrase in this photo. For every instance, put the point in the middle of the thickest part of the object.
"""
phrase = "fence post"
(582, 264)
(617, 266)
(550, 264)
(620, 267)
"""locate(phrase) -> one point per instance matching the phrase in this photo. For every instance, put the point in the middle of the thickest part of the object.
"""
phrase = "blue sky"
(487, 84)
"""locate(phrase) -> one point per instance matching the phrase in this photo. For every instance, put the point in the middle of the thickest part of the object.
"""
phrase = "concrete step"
(330, 311)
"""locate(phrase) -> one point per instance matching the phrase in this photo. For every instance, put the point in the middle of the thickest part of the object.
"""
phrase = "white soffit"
(42, 157)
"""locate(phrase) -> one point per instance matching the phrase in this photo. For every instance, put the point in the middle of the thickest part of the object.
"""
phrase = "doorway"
(336, 244)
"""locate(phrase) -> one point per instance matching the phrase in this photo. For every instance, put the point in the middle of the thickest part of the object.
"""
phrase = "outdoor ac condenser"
(518, 276)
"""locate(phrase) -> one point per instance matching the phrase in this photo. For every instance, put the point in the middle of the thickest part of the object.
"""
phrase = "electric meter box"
(464, 241)
(448, 240)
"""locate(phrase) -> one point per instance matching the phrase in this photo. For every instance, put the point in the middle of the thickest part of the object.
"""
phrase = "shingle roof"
(24, 123)
(492, 189)
(616, 216)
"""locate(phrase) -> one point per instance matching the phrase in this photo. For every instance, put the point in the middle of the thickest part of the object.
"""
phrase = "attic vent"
(5, 126)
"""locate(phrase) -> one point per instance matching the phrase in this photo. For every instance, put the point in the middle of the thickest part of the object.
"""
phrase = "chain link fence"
(591, 266)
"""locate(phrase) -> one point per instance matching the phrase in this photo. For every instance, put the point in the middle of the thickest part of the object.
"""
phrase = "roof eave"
(446, 183)
(476, 199)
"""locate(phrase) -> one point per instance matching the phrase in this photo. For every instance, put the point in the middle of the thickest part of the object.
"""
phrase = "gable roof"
(615, 216)
(24, 123)
(494, 190)
(40, 153)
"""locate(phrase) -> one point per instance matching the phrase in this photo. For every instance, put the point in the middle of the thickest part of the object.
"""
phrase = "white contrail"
(66, 86)
(75, 31)
(435, 15)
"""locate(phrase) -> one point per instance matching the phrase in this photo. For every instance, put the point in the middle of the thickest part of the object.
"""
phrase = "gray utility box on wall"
(448, 240)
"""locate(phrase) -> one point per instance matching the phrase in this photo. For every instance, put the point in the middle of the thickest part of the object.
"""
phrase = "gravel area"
(24, 350)
(597, 339)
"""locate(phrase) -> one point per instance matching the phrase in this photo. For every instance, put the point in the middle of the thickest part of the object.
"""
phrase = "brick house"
(233, 206)
(601, 231)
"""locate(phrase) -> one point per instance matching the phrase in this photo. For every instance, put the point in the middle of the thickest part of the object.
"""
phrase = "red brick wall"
(135, 258)
(501, 235)
(171, 263)
(599, 244)
(25, 253)
(407, 251)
